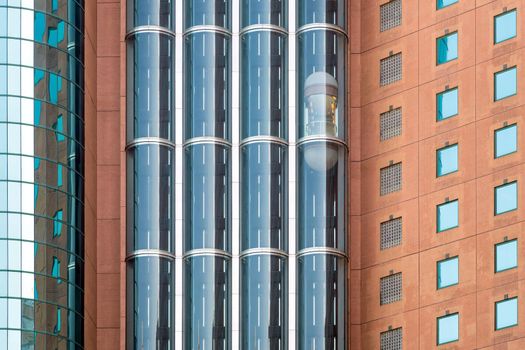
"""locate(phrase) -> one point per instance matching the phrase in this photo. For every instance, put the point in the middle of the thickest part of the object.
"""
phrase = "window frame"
(456, 88)
(515, 25)
(496, 313)
(443, 7)
(510, 183)
(496, 255)
(515, 67)
(437, 333)
(437, 47)
(438, 272)
(456, 145)
(437, 215)
(496, 140)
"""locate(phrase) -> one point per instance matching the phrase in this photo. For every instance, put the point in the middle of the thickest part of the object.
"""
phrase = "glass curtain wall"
(263, 164)
(150, 175)
(207, 175)
(41, 174)
(321, 173)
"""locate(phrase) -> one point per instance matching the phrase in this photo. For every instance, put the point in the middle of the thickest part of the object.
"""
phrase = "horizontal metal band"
(322, 26)
(327, 139)
(149, 29)
(207, 28)
(263, 251)
(260, 139)
(207, 252)
(322, 250)
(150, 141)
(263, 27)
(150, 252)
(207, 140)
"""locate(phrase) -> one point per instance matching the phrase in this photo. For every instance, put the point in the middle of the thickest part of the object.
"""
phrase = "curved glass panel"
(207, 12)
(150, 291)
(263, 12)
(150, 86)
(321, 88)
(321, 305)
(207, 85)
(150, 198)
(263, 196)
(207, 195)
(321, 195)
(263, 307)
(315, 11)
(207, 303)
(150, 12)
(263, 84)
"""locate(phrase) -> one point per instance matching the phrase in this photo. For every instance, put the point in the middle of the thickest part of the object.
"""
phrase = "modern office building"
(262, 174)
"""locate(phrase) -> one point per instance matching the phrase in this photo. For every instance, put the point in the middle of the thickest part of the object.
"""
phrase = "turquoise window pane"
(506, 198)
(52, 37)
(55, 85)
(505, 83)
(57, 226)
(447, 104)
(445, 3)
(505, 140)
(447, 160)
(38, 111)
(448, 329)
(505, 26)
(448, 272)
(40, 26)
(506, 313)
(60, 31)
(59, 129)
(447, 216)
(39, 75)
(59, 175)
(447, 48)
(58, 326)
(54, 6)
(55, 272)
(506, 255)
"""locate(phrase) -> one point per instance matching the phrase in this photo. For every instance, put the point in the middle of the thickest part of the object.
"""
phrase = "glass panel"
(447, 272)
(447, 48)
(150, 12)
(505, 26)
(448, 329)
(506, 255)
(505, 198)
(263, 12)
(506, 313)
(447, 216)
(263, 305)
(312, 11)
(447, 160)
(447, 104)
(444, 3)
(505, 83)
(207, 12)
(505, 141)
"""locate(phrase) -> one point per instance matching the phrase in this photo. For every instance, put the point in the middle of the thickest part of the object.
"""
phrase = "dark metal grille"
(390, 124)
(391, 233)
(391, 288)
(391, 69)
(390, 15)
(392, 339)
(391, 178)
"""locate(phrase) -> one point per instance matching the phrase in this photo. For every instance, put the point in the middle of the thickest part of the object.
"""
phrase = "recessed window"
(447, 104)
(391, 179)
(506, 255)
(447, 48)
(505, 198)
(447, 272)
(448, 329)
(390, 124)
(505, 26)
(391, 69)
(392, 339)
(506, 313)
(447, 216)
(447, 160)
(391, 288)
(505, 140)
(505, 83)
(390, 14)
(391, 233)
(444, 3)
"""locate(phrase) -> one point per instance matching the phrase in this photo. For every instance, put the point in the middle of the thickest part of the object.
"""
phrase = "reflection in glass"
(505, 140)
(507, 313)
(506, 255)
(505, 26)
(150, 12)
(263, 12)
(505, 83)
(207, 303)
(447, 215)
(207, 12)
(448, 329)
(315, 11)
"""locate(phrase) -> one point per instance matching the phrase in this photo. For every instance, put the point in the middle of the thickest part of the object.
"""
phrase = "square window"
(391, 179)
(392, 339)
(391, 69)
(447, 272)
(391, 233)
(447, 48)
(506, 313)
(506, 255)
(390, 14)
(444, 3)
(447, 160)
(505, 83)
(391, 288)
(447, 329)
(390, 124)
(447, 104)
(447, 216)
(505, 198)
(505, 140)
(505, 26)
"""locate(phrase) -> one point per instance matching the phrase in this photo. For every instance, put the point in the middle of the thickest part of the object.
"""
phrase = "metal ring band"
(150, 252)
(207, 140)
(266, 139)
(322, 26)
(322, 250)
(263, 27)
(327, 139)
(149, 29)
(207, 28)
(263, 251)
(207, 252)
(149, 141)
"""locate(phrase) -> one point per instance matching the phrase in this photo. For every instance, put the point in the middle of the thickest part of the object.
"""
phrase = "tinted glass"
(448, 272)
(312, 11)
(447, 160)
(506, 313)
(448, 329)
(505, 140)
(505, 198)
(505, 26)
(150, 12)
(506, 255)
(447, 216)
(447, 104)
(447, 48)
(264, 12)
(505, 83)
(444, 3)
(207, 12)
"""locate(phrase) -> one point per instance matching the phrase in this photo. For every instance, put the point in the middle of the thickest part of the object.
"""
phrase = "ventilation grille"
(391, 287)
(390, 124)
(392, 340)
(390, 15)
(391, 179)
(391, 233)
(391, 69)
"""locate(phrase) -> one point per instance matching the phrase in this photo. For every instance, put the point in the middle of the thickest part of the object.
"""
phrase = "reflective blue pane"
(447, 48)
(447, 160)
(57, 226)
(52, 38)
(445, 3)
(505, 198)
(59, 129)
(447, 104)
(59, 175)
(506, 255)
(58, 325)
(505, 26)
(55, 86)
(447, 215)
(55, 272)
(505, 83)
(505, 140)
(448, 272)
(40, 26)
(448, 329)
(506, 313)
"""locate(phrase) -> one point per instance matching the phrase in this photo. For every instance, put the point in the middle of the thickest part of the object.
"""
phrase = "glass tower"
(41, 174)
